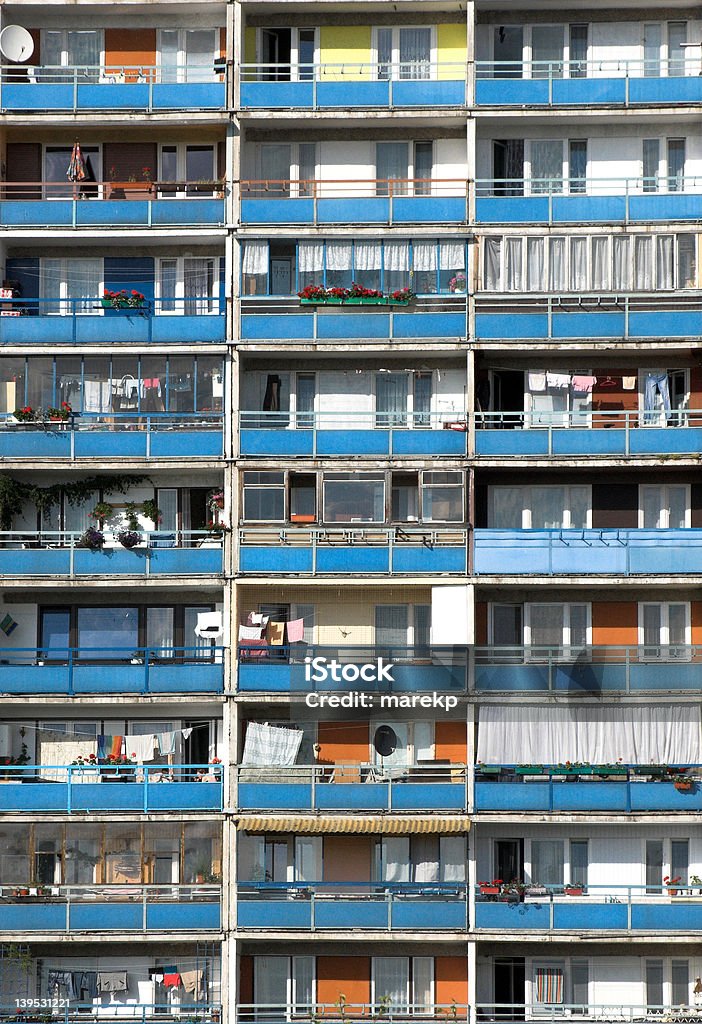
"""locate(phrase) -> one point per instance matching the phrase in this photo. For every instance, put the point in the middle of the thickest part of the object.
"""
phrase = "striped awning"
(385, 824)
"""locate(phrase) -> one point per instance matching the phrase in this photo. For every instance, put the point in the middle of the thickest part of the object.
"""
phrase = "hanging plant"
(131, 513)
(150, 509)
(102, 511)
(92, 539)
(129, 538)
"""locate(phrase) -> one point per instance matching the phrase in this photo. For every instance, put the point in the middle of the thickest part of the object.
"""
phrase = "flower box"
(531, 770)
(490, 769)
(121, 304)
(571, 771)
(619, 769)
(683, 785)
(573, 890)
(384, 301)
(489, 890)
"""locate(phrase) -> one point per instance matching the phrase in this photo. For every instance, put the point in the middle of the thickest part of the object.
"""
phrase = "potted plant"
(670, 883)
(129, 538)
(102, 511)
(26, 414)
(458, 282)
(573, 889)
(529, 769)
(401, 296)
(62, 412)
(123, 299)
(217, 528)
(490, 888)
(683, 785)
(91, 538)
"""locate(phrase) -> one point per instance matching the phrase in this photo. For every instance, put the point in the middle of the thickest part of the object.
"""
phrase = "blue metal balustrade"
(357, 325)
(73, 671)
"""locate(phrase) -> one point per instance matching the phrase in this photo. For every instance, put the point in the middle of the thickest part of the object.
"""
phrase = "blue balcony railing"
(565, 552)
(28, 1010)
(601, 908)
(587, 83)
(588, 200)
(372, 434)
(54, 321)
(422, 321)
(112, 87)
(588, 433)
(66, 553)
(384, 906)
(659, 668)
(392, 201)
(111, 908)
(573, 317)
(352, 787)
(145, 204)
(354, 549)
(115, 436)
(107, 788)
(549, 1013)
(308, 1013)
(352, 86)
(626, 788)
(402, 669)
(73, 671)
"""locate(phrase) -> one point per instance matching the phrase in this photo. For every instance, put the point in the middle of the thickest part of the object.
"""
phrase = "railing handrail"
(372, 67)
(587, 183)
(166, 889)
(393, 418)
(673, 769)
(454, 770)
(80, 187)
(603, 64)
(332, 1011)
(389, 888)
(558, 650)
(615, 888)
(104, 765)
(367, 649)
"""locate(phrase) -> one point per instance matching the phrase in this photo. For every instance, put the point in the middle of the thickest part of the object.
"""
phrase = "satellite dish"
(16, 43)
(385, 740)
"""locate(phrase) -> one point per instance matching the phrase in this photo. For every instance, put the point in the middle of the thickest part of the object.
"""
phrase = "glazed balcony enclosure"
(385, 906)
(603, 316)
(566, 552)
(598, 908)
(118, 908)
(488, 1013)
(107, 204)
(308, 1012)
(589, 200)
(613, 669)
(136, 1012)
(102, 787)
(112, 88)
(408, 669)
(587, 82)
(337, 86)
(388, 201)
(353, 787)
(615, 787)
(68, 553)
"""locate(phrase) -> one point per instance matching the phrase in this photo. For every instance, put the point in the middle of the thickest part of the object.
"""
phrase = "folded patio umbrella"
(76, 168)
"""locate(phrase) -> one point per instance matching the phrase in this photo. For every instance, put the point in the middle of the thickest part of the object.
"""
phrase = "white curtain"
(308, 858)
(339, 256)
(600, 263)
(513, 269)
(578, 264)
(425, 858)
(391, 978)
(198, 285)
(415, 52)
(664, 261)
(395, 859)
(598, 735)
(367, 255)
(271, 980)
(452, 256)
(535, 264)
(546, 166)
(270, 745)
(621, 261)
(556, 265)
(452, 857)
(255, 258)
(424, 256)
(506, 508)
(397, 256)
(492, 248)
(643, 262)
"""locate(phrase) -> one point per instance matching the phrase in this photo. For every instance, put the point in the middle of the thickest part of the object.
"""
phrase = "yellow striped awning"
(384, 824)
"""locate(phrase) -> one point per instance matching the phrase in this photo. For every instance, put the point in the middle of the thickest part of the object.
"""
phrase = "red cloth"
(171, 980)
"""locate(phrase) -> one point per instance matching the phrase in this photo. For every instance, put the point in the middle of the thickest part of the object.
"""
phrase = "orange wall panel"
(223, 42)
(343, 742)
(696, 621)
(130, 48)
(451, 980)
(614, 622)
(450, 742)
(349, 975)
(348, 858)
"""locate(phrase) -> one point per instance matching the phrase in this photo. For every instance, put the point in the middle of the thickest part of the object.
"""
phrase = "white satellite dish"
(16, 43)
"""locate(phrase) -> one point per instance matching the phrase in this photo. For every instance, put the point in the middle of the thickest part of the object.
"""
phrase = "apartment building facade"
(351, 538)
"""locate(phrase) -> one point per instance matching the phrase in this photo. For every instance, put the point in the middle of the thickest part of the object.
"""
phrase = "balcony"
(357, 549)
(574, 552)
(112, 204)
(354, 787)
(407, 669)
(329, 434)
(115, 436)
(574, 318)
(608, 788)
(135, 1013)
(633, 669)
(488, 1013)
(112, 89)
(390, 202)
(66, 553)
(588, 201)
(586, 83)
(438, 320)
(335, 87)
(113, 908)
(385, 906)
(600, 909)
(53, 321)
(620, 433)
(72, 789)
(100, 670)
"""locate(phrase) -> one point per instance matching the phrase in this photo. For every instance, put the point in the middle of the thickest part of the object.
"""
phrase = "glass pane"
(508, 45)
(680, 982)
(653, 37)
(108, 628)
(306, 54)
(507, 625)
(392, 162)
(677, 37)
(679, 859)
(55, 630)
(264, 504)
(577, 157)
(547, 862)
(651, 161)
(579, 503)
(654, 984)
(159, 630)
(547, 508)
(422, 399)
(83, 50)
(580, 980)
(578, 51)
(391, 625)
(546, 621)
(687, 263)
(199, 163)
(391, 400)
(169, 163)
(547, 51)
(652, 623)
(578, 624)
(677, 624)
(415, 52)
(677, 507)
(578, 861)
(303, 977)
(422, 981)
(384, 43)
(676, 165)
(354, 501)
(506, 508)
(168, 280)
(167, 501)
(199, 55)
(168, 39)
(546, 166)
(654, 869)
(391, 983)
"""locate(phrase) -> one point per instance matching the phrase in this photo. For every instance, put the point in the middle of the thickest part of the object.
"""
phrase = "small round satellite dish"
(385, 740)
(16, 43)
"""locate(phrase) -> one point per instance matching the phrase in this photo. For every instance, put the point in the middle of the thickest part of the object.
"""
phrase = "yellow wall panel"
(249, 46)
(451, 49)
(345, 45)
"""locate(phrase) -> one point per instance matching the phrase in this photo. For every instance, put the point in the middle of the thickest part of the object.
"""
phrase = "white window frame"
(662, 180)
(527, 503)
(66, 307)
(664, 56)
(665, 506)
(527, 44)
(664, 649)
(182, 58)
(395, 60)
(295, 62)
(411, 725)
(169, 191)
(567, 649)
(64, 42)
(295, 177)
(212, 300)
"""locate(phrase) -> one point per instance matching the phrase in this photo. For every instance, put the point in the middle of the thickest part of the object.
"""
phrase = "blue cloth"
(656, 383)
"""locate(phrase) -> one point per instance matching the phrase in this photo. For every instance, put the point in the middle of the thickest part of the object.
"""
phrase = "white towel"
(558, 380)
(537, 381)
(250, 632)
(166, 742)
(629, 383)
(141, 747)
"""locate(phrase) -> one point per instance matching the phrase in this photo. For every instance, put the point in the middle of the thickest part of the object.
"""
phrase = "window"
(539, 508)
(191, 169)
(547, 51)
(100, 629)
(663, 49)
(288, 169)
(350, 498)
(680, 982)
(76, 282)
(580, 985)
(546, 163)
(403, 399)
(404, 53)
(578, 862)
(578, 37)
(577, 165)
(664, 630)
(187, 55)
(548, 984)
(680, 859)
(79, 49)
(400, 983)
(547, 866)
(405, 497)
(186, 284)
(264, 497)
(651, 164)
(287, 54)
(284, 982)
(654, 985)
(402, 625)
(563, 628)
(670, 170)
(664, 506)
(442, 497)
